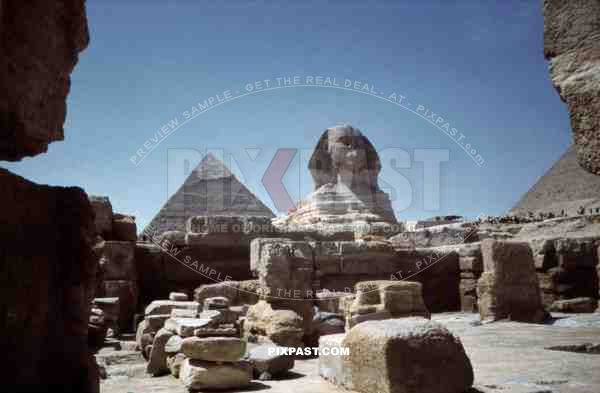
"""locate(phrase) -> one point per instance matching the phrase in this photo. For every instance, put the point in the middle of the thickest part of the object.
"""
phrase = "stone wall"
(47, 269)
(162, 269)
(338, 265)
(566, 268)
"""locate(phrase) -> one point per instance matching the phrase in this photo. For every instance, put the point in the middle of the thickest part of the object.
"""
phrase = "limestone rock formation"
(40, 43)
(346, 196)
(571, 31)
(48, 271)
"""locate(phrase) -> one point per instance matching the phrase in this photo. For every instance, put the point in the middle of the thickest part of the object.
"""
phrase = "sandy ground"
(506, 357)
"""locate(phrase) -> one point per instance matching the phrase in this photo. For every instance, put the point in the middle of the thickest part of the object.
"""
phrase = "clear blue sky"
(477, 64)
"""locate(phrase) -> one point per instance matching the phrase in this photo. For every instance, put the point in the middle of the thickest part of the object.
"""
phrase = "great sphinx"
(346, 196)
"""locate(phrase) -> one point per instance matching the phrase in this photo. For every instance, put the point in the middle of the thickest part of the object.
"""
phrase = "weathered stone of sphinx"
(40, 43)
(571, 44)
(347, 201)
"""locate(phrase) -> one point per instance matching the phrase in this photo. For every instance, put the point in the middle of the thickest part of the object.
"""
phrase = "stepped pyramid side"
(564, 187)
(211, 189)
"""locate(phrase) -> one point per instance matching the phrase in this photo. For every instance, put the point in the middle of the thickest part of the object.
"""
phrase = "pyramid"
(211, 189)
(564, 187)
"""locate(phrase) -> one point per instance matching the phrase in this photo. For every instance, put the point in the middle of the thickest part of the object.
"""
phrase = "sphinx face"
(348, 149)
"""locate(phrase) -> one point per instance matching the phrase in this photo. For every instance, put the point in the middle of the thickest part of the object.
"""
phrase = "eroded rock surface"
(572, 45)
(40, 42)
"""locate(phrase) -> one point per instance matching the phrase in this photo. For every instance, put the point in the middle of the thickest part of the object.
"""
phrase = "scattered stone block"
(157, 321)
(377, 300)
(143, 328)
(217, 332)
(201, 375)
(264, 362)
(328, 323)
(178, 296)
(283, 327)
(213, 349)
(577, 305)
(174, 363)
(184, 313)
(216, 303)
(333, 367)
(185, 327)
(157, 364)
(173, 345)
(403, 355)
(220, 316)
(508, 287)
(166, 306)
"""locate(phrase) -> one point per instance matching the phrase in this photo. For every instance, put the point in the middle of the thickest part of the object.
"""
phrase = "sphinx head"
(345, 155)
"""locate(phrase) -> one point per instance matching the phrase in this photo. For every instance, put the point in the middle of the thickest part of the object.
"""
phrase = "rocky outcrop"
(40, 42)
(572, 45)
(47, 270)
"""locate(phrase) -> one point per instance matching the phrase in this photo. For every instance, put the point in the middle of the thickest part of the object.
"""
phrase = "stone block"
(156, 321)
(577, 305)
(124, 228)
(166, 306)
(284, 267)
(334, 368)
(402, 355)
(283, 327)
(173, 345)
(174, 363)
(178, 296)
(102, 215)
(185, 327)
(117, 261)
(213, 349)
(262, 361)
(157, 364)
(509, 287)
(201, 375)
